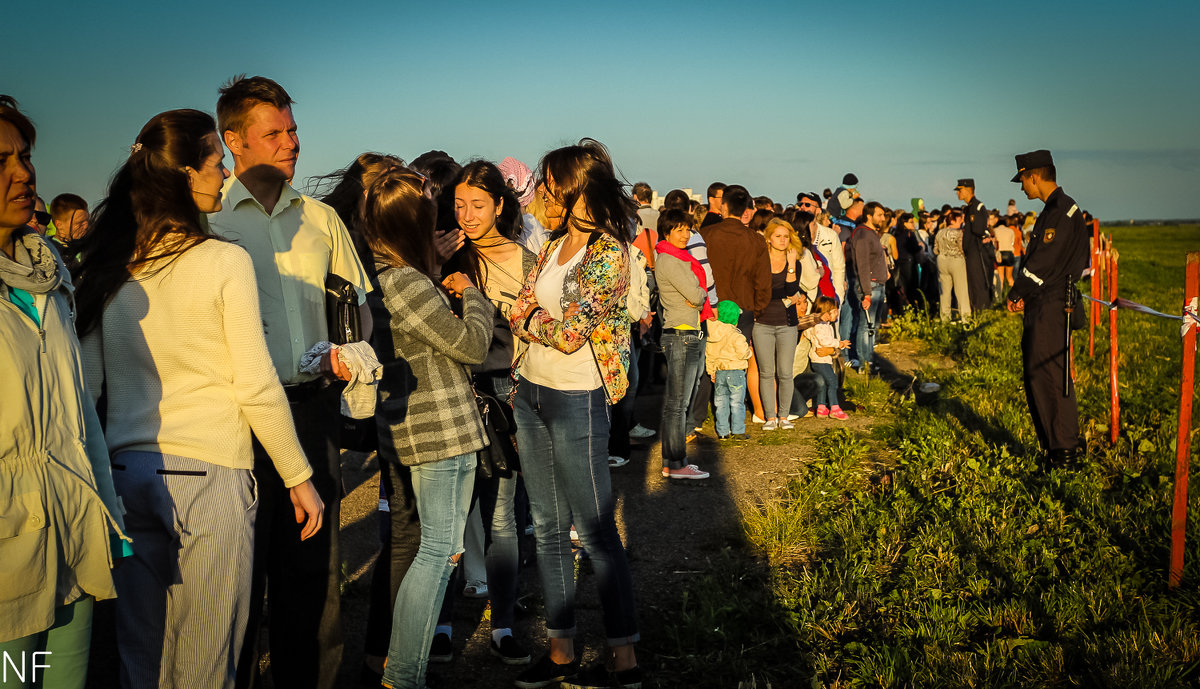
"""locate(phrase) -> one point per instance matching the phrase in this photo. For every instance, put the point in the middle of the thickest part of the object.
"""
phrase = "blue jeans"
(729, 395)
(563, 436)
(827, 384)
(685, 363)
(443, 495)
(846, 322)
(868, 321)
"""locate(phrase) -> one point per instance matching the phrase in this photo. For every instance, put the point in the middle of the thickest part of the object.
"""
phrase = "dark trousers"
(1055, 416)
(979, 276)
(401, 541)
(304, 621)
(622, 411)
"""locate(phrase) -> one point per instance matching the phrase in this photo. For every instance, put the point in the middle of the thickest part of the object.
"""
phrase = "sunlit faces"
(964, 193)
(830, 315)
(678, 236)
(207, 181)
(878, 218)
(1029, 185)
(269, 141)
(17, 178)
(780, 238)
(476, 211)
(553, 206)
(807, 204)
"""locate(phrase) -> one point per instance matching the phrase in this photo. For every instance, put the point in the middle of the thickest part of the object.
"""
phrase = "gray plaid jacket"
(427, 409)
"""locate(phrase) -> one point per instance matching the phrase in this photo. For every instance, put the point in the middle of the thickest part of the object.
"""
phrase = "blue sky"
(778, 96)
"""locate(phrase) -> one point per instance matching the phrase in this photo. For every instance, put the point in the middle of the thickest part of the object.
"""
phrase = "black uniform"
(1055, 257)
(979, 266)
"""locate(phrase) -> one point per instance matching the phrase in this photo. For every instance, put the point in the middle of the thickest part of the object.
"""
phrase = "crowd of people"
(186, 390)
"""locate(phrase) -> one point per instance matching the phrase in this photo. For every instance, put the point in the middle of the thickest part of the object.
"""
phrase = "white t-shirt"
(1005, 237)
(546, 365)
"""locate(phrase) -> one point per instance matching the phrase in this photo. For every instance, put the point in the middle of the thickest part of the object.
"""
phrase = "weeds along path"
(934, 550)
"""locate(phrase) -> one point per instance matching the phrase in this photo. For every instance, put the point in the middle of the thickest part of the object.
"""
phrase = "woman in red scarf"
(682, 290)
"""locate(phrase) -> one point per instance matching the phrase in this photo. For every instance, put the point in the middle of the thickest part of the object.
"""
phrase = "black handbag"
(500, 456)
(341, 311)
(345, 326)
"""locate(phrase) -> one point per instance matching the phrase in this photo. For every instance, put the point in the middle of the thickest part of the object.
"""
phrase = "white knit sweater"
(183, 355)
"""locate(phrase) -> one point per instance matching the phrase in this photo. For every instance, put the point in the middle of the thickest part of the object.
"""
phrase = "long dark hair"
(484, 175)
(149, 213)
(397, 219)
(585, 171)
(349, 183)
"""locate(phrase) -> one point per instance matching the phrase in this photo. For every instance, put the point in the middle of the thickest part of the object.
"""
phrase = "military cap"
(964, 182)
(1031, 161)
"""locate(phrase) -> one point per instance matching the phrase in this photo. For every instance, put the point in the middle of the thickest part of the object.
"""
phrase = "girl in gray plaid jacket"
(427, 416)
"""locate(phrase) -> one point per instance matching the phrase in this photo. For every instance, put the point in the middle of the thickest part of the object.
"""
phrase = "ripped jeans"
(443, 495)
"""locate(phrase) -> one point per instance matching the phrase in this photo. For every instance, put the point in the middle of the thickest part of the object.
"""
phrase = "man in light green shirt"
(294, 242)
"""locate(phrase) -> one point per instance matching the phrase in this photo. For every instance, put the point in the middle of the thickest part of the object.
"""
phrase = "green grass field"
(935, 552)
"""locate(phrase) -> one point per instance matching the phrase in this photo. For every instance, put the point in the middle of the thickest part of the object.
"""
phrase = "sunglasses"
(41, 217)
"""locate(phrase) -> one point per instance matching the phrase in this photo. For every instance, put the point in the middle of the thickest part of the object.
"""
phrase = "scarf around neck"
(665, 247)
(35, 269)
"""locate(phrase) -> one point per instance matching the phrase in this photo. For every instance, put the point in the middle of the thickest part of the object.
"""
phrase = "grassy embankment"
(935, 552)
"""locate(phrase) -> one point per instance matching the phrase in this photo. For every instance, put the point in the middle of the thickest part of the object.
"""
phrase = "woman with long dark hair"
(58, 510)
(169, 316)
(489, 214)
(572, 312)
(427, 416)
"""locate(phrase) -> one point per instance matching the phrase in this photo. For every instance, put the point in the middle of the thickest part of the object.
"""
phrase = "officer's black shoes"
(1064, 458)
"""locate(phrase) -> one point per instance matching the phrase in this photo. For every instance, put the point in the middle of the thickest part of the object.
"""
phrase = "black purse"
(345, 326)
(341, 311)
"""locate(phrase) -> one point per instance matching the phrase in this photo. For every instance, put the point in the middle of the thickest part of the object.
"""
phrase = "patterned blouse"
(599, 285)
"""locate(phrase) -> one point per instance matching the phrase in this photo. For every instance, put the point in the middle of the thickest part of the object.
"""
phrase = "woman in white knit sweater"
(171, 332)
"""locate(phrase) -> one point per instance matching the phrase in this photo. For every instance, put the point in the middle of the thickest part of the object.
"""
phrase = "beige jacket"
(727, 349)
(57, 503)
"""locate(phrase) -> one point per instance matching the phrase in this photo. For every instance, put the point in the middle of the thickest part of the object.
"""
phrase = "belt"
(298, 392)
(686, 331)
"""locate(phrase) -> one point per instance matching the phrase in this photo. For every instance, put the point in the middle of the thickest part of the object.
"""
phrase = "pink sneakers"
(690, 471)
(837, 413)
(822, 411)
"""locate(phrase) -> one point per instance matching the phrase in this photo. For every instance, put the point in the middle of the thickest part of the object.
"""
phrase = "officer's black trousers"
(1055, 417)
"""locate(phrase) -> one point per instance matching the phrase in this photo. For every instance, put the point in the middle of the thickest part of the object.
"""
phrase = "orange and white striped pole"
(1182, 445)
(1115, 405)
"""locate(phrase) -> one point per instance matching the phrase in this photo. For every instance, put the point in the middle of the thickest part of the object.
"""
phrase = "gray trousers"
(952, 276)
(775, 350)
(183, 597)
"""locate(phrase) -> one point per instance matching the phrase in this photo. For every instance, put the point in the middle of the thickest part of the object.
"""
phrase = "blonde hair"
(794, 242)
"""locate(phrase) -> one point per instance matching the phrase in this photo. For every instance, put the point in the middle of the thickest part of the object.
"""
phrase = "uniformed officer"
(1055, 258)
(975, 250)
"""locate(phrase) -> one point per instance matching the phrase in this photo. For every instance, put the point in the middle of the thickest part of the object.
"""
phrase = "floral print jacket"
(599, 283)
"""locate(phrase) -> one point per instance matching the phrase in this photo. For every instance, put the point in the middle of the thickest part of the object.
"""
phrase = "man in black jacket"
(976, 245)
(1055, 257)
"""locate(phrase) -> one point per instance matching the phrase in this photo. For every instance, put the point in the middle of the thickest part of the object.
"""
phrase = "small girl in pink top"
(825, 347)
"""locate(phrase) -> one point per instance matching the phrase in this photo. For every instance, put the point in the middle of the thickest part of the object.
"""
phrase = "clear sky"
(777, 96)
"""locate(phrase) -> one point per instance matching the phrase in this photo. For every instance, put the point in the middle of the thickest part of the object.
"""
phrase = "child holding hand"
(825, 347)
(726, 357)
